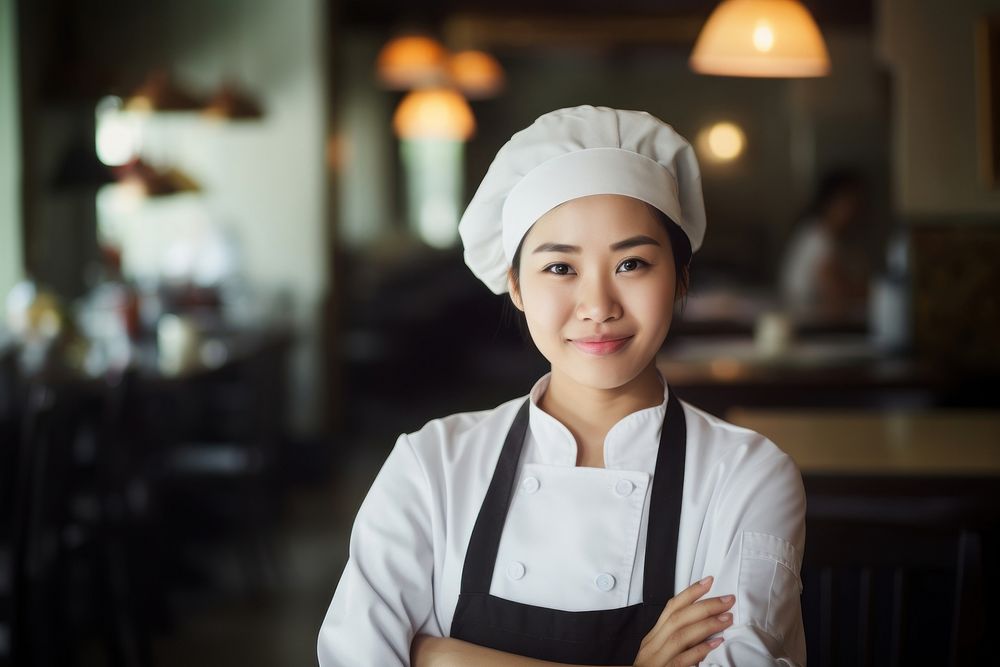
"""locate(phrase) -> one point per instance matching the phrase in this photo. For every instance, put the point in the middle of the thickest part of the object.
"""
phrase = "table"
(892, 443)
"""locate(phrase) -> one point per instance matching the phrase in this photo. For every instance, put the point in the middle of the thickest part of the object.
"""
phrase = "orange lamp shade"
(412, 61)
(476, 73)
(761, 38)
(434, 113)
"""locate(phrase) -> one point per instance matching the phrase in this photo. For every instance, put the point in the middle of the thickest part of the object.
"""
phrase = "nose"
(597, 301)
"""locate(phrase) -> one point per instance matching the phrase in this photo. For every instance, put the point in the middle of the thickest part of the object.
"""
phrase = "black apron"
(600, 637)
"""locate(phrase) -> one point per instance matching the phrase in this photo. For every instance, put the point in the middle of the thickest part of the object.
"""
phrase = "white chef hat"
(572, 153)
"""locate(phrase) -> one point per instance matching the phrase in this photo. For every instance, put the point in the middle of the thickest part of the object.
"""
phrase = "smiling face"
(597, 285)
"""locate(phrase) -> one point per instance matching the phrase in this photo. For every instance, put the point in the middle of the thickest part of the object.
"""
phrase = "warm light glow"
(763, 37)
(411, 62)
(766, 38)
(434, 113)
(726, 141)
(476, 73)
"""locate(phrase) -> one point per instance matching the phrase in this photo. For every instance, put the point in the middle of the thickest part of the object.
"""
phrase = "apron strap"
(481, 557)
(664, 525)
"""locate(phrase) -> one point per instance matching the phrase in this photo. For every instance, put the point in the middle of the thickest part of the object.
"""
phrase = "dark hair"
(834, 183)
(680, 246)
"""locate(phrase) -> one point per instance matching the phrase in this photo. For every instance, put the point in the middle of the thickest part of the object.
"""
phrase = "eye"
(558, 269)
(631, 264)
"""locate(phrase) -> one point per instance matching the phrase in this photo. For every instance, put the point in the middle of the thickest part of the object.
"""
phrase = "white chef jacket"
(574, 537)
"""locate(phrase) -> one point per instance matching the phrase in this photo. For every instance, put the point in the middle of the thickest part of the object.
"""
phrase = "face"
(597, 287)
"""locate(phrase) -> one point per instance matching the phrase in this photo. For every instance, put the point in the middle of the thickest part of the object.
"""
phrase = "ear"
(681, 290)
(515, 293)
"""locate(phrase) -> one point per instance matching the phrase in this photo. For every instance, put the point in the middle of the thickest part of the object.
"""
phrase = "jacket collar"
(631, 444)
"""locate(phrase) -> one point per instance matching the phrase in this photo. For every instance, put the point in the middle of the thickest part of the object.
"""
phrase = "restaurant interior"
(231, 276)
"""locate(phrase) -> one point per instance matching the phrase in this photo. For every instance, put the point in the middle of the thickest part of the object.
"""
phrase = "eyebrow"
(631, 242)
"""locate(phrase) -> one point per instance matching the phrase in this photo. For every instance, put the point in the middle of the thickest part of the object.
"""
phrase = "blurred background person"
(825, 273)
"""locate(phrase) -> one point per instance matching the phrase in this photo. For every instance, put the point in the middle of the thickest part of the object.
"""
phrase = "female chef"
(600, 519)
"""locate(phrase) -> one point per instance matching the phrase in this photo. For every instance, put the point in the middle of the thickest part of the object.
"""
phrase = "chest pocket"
(769, 584)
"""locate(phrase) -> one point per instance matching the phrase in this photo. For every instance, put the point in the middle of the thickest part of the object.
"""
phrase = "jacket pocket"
(769, 584)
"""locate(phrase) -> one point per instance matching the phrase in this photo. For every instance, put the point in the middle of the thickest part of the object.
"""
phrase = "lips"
(600, 345)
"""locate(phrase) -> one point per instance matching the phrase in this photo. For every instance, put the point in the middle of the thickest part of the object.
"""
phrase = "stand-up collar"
(631, 444)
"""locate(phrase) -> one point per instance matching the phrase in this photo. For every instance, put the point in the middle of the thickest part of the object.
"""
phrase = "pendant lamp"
(476, 73)
(761, 38)
(412, 61)
(434, 113)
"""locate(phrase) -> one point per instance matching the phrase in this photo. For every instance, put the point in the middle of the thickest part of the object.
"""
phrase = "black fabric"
(599, 637)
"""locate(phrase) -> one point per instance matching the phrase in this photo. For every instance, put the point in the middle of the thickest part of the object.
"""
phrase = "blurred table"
(845, 371)
(894, 443)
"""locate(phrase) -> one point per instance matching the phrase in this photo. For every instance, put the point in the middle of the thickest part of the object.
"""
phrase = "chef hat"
(572, 153)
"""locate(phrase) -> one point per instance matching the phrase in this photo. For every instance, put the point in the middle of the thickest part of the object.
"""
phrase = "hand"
(677, 638)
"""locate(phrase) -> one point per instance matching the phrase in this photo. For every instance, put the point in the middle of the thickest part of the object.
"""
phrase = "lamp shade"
(434, 113)
(476, 73)
(412, 61)
(761, 38)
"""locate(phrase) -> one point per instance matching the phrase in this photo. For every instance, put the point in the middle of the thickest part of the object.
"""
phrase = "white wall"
(265, 180)
(930, 46)
(10, 152)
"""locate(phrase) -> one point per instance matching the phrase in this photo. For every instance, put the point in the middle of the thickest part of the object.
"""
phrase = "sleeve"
(762, 566)
(385, 593)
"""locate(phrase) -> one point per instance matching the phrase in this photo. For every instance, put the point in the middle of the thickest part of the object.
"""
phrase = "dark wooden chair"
(217, 445)
(71, 572)
(893, 571)
(10, 410)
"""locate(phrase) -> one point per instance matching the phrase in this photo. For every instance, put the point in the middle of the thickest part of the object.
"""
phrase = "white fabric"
(575, 152)
(742, 521)
(592, 171)
(810, 248)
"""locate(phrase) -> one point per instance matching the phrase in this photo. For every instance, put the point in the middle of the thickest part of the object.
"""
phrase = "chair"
(71, 572)
(892, 571)
(10, 409)
(217, 435)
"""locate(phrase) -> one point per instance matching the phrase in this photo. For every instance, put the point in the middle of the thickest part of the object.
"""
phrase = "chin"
(610, 376)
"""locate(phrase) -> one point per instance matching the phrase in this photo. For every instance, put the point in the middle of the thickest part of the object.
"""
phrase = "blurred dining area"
(231, 276)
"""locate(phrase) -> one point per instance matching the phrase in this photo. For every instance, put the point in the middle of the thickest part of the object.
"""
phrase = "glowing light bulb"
(726, 141)
(763, 36)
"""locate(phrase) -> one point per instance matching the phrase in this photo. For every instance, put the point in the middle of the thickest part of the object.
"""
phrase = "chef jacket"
(574, 537)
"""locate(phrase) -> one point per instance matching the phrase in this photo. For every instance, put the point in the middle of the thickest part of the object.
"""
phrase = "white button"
(624, 487)
(605, 581)
(530, 484)
(515, 570)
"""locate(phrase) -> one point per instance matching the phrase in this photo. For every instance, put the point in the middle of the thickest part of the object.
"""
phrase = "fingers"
(690, 594)
(690, 635)
(686, 620)
(700, 610)
(676, 638)
(682, 599)
(694, 655)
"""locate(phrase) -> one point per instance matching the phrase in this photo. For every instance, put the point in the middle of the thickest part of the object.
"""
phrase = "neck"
(590, 412)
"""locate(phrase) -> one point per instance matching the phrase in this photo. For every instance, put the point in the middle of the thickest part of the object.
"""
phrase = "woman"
(824, 274)
(599, 520)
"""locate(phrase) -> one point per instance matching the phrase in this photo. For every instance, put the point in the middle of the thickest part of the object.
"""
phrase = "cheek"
(653, 303)
(545, 307)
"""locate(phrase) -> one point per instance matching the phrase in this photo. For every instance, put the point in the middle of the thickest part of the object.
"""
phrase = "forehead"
(597, 218)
